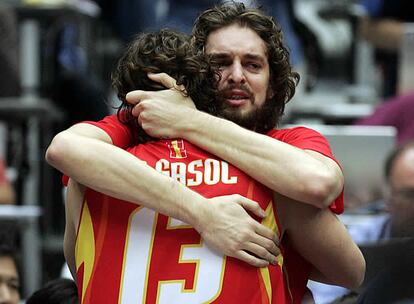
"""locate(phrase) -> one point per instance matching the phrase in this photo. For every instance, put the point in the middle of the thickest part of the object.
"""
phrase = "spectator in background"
(58, 291)
(395, 280)
(399, 172)
(9, 276)
(383, 27)
(397, 112)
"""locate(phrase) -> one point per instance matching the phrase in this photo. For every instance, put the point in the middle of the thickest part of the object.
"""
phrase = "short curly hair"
(283, 79)
(165, 51)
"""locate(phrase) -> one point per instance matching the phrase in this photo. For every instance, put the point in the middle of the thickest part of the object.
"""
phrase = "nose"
(236, 74)
(5, 294)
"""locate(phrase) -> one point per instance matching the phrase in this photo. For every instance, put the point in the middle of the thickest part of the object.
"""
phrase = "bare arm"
(306, 176)
(323, 240)
(223, 222)
(73, 205)
(303, 175)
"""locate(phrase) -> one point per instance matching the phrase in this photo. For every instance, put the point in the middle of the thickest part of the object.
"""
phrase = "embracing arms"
(303, 175)
(84, 153)
(319, 236)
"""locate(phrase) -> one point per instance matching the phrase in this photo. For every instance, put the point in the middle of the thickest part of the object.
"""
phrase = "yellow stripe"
(264, 271)
(85, 247)
(270, 222)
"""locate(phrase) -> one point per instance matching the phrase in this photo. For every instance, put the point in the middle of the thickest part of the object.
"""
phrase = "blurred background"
(355, 57)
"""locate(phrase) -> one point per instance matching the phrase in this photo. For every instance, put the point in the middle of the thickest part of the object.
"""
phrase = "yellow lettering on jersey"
(85, 247)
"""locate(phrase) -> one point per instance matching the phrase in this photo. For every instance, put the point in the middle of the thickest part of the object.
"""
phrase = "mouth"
(237, 98)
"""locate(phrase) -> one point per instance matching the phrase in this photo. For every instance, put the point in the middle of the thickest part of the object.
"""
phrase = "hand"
(229, 229)
(162, 114)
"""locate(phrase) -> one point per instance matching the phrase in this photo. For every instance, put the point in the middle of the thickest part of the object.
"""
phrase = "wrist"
(194, 124)
(201, 214)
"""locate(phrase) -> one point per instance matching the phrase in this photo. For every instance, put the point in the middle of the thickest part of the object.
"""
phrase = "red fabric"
(122, 136)
(119, 230)
(297, 269)
(308, 139)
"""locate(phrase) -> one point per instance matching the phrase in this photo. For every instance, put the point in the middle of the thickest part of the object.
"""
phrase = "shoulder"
(302, 137)
(121, 134)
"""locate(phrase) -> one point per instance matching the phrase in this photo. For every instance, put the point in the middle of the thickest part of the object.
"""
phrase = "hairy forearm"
(117, 173)
(283, 168)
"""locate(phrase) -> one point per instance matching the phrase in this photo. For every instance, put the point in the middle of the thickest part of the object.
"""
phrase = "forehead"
(8, 269)
(402, 173)
(237, 40)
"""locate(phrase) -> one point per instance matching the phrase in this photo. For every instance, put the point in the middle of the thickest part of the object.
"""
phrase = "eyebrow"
(248, 56)
(255, 57)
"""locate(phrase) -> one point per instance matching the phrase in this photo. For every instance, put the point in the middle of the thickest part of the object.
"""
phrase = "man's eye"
(14, 286)
(254, 66)
(223, 63)
(220, 62)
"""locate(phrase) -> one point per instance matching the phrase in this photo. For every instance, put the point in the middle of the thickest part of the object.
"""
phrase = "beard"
(253, 119)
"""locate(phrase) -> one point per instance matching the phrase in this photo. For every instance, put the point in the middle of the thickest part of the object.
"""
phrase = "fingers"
(134, 97)
(251, 259)
(260, 252)
(165, 79)
(267, 244)
(251, 206)
(267, 233)
(136, 110)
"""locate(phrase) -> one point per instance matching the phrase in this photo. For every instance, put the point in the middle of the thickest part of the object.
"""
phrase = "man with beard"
(306, 172)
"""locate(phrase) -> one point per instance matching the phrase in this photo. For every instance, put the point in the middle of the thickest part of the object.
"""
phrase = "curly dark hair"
(165, 51)
(283, 79)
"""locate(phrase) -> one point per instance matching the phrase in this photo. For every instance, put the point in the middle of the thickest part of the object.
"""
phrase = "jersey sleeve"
(308, 139)
(121, 135)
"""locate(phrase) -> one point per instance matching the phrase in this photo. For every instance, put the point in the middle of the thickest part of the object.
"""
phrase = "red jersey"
(297, 269)
(126, 253)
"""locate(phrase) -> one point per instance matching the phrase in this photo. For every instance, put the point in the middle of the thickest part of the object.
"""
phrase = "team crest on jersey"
(177, 149)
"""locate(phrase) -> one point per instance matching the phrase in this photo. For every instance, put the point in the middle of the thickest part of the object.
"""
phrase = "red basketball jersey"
(126, 253)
